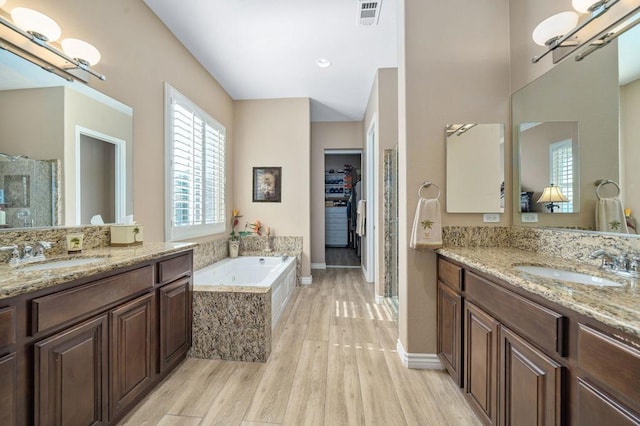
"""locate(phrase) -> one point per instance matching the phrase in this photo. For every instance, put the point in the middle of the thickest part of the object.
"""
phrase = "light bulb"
(81, 51)
(36, 23)
(554, 27)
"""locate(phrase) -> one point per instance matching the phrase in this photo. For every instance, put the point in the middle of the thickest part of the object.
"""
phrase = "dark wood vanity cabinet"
(530, 361)
(97, 346)
(449, 318)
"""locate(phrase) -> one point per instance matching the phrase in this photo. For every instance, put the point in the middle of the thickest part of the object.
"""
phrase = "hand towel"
(427, 226)
(361, 217)
(610, 216)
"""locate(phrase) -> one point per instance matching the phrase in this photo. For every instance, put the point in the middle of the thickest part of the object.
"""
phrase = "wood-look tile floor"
(334, 362)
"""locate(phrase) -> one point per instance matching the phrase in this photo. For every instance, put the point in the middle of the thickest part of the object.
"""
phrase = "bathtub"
(237, 303)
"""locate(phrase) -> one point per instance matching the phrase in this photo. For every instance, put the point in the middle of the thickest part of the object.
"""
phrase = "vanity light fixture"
(552, 29)
(608, 36)
(75, 57)
(551, 195)
(561, 29)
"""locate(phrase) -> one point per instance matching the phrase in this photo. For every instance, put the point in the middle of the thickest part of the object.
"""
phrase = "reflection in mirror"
(29, 192)
(44, 117)
(602, 94)
(475, 168)
(551, 150)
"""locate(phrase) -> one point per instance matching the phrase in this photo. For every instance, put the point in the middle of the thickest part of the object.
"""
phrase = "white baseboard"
(306, 280)
(418, 361)
(318, 266)
(379, 299)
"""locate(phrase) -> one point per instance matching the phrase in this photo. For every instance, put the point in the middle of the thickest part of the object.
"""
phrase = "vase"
(234, 246)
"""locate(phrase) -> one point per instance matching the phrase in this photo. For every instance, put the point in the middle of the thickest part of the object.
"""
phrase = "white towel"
(610, 216)
(361, 221)
(427, 226)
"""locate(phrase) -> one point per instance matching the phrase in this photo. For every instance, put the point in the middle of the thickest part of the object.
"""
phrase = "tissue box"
(126, 235)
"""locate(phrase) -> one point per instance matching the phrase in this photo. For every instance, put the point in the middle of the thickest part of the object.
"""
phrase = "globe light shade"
(554, 27)
(36, 23)
(582, 6)
(81, 51)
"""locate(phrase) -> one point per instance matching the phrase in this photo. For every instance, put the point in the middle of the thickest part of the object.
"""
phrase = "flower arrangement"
(254, 227)
(235, 214)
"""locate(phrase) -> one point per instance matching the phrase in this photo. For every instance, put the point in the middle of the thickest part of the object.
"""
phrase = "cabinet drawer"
(609, 361)
(450, 274)
(172, 269)
(541, 325)
(7, 326)
(59, 308)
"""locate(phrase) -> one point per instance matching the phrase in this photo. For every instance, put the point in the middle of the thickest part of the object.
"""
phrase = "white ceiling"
(264, 49)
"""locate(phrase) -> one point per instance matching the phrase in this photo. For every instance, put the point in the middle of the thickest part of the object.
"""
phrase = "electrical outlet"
(491, 217)
(529, 217)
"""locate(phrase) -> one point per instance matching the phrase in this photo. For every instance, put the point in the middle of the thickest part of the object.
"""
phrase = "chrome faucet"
(28, 253)
(623, 264)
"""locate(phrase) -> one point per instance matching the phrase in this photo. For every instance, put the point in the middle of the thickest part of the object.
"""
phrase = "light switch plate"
(529, 217)
(491, 217)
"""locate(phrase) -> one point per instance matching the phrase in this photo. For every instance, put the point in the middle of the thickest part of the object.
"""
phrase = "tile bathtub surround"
(231, 323)
(209, 252)
(254, 243)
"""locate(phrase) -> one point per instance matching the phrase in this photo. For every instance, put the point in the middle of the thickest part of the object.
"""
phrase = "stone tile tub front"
(236, 304)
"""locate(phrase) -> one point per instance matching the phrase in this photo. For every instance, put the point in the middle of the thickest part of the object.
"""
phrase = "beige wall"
(275, 133)
(32, 123)
(383, 107)
(138, 55)
(454, 67)
(630, 145)
(326, 135)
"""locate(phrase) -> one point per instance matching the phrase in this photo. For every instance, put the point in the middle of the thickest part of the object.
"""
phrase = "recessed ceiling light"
(323, 63)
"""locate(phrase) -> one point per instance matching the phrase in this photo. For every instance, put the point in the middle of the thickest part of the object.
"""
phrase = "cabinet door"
(449, 328)
(71, 376)
(175, 322)
(481, 359)
(530, 386)
(131, 352)
(8, 389)
(595, 408)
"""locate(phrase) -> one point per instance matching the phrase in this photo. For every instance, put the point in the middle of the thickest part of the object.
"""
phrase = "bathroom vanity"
(84, 345)
(529, 350)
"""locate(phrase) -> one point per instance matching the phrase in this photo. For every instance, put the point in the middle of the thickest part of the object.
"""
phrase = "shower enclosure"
(391, 227)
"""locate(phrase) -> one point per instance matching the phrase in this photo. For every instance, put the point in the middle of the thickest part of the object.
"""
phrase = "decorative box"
(126, 235)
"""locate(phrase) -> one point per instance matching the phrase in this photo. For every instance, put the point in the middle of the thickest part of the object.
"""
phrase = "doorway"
(342, 191)
(100, 161)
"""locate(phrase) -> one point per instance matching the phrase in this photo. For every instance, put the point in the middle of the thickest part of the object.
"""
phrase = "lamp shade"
(583, 6)
(36, 23)
(81, 51)
(552, 194)
(554, 27)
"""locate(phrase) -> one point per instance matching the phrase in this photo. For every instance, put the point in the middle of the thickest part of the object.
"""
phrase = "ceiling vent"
(368, 12)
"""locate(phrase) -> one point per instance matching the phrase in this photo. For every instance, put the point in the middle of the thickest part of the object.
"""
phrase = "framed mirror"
(87, 135)
(601, 94)
(475, 168)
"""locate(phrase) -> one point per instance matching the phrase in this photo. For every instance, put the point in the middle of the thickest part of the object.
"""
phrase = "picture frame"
(267, 184)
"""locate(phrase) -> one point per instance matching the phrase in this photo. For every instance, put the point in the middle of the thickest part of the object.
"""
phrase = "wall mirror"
(83, 136)
(601, 94)
(475, 168)
(549, 179)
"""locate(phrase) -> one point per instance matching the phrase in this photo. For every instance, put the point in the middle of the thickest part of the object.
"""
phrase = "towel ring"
(426, 185)
(601, 183)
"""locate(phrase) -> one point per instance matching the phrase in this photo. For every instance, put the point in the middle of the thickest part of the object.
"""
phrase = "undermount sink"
(58, 264)
(570, 276)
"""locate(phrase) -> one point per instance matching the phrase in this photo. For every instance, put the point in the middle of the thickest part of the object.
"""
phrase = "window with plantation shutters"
(195, 150)
(561, 161)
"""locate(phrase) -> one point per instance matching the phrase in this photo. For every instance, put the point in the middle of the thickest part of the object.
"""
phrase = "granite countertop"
(618, 307)
(15, 281)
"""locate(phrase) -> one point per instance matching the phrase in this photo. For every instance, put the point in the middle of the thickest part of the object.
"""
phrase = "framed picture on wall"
(267, 184)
